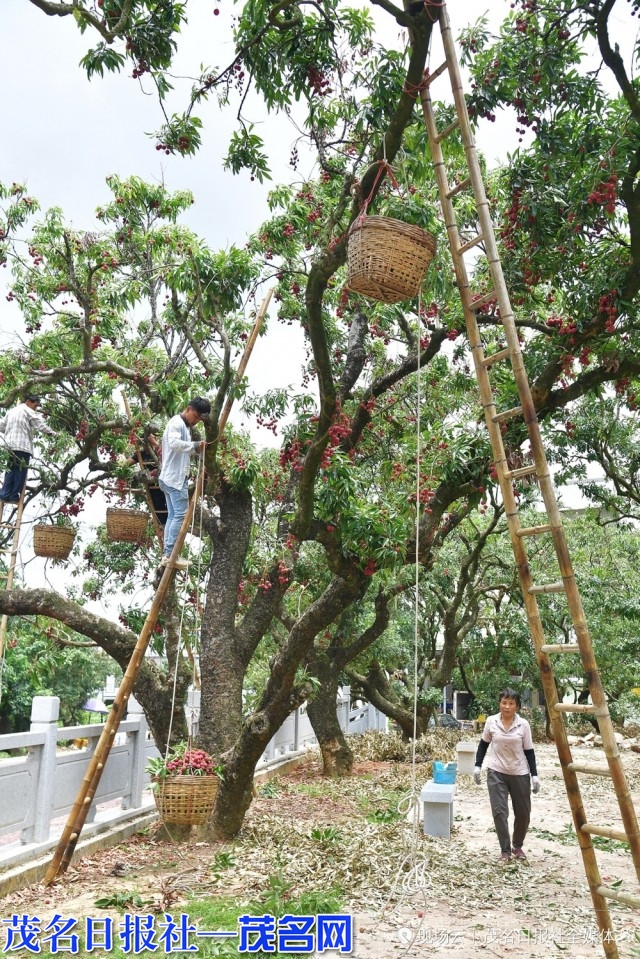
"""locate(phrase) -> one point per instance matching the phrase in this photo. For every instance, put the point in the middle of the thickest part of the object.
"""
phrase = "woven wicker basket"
(387, 259)
(127, 525)
(55, 542)
(186, 800)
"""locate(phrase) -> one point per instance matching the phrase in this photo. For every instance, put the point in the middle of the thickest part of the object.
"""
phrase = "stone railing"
(38, 789)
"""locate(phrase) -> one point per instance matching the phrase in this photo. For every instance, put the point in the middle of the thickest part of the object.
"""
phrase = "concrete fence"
(37, 790)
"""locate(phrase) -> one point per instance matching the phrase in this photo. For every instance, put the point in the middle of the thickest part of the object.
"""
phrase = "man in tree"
(177, 447)
(18, 426)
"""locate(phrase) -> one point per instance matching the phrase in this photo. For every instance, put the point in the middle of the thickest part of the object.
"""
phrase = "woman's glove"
(535, 784)
(476, 775)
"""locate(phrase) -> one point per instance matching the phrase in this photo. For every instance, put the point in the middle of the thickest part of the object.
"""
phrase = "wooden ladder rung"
(458, 188)
(447, 130)
(507, 414)
(560, 648)
(436, 73)
(604, 831)
(469, 245)
(495, 358)
(482, 301)
(547, 588)
(521, 471)
(534, 530)
(589, 770)
(625, 897)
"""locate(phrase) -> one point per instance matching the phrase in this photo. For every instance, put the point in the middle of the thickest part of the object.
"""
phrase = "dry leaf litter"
(318, 833)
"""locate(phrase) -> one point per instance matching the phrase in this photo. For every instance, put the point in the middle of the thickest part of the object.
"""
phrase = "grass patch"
(315, 790)
(221, 914)
(215, 914)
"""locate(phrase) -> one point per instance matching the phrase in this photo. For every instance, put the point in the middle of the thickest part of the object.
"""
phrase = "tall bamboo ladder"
(10, 558)
(485, 242)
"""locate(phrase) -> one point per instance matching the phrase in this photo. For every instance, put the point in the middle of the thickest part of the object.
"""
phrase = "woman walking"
(511, 773)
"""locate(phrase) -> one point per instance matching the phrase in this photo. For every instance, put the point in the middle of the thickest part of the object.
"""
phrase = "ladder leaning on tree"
(91, 780)
(485, 242)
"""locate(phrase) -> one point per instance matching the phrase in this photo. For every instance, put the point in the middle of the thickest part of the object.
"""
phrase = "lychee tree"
(335, 502)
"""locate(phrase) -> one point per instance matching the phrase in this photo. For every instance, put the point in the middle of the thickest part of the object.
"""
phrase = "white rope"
(416, 607)
(412, 877)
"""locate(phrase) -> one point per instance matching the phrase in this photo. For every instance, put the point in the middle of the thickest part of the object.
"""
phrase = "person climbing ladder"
(18, 426)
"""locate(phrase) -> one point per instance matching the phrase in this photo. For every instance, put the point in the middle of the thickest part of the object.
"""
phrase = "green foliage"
(277, 899)
(37, 663)
(239, 465)
(121, 900)
(148, 27)
(13, 214)
(102, 58)
(222, 860)
(181, 134)
(326, 834)
(269, 789)
(78, 292)
(246, 153)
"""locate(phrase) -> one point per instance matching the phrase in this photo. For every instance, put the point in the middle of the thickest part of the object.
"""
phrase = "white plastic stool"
(437, 804)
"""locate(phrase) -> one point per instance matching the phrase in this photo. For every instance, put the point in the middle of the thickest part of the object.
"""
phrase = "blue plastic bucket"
(444, 772)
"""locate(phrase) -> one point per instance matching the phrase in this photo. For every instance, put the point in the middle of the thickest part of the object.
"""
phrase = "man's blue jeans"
(15, 477)
(177, 505)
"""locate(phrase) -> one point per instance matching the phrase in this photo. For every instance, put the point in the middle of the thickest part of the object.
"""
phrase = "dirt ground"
(449, 898)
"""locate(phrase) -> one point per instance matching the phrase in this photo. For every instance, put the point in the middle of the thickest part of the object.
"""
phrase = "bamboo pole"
(77, 817)
(253, 336)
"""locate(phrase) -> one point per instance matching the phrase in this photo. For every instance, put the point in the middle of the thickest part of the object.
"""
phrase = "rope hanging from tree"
(198, 606)
(412, 876)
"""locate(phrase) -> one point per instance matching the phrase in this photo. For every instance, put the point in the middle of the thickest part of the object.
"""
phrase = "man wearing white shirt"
(18, 426)
(177, 448)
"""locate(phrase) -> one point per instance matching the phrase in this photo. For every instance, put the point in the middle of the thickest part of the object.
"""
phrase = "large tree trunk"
(280, 697)
(337, 758)
(223, 657)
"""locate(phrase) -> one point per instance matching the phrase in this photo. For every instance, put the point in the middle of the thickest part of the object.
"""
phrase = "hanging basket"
(186, 800)
(127, 525)
(56, 542)
(387, 259)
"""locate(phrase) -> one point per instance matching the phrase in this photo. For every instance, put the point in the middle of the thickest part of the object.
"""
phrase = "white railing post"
(369, 716)
(343, 705)
(296, 730)
(44, 719)
(138, 744)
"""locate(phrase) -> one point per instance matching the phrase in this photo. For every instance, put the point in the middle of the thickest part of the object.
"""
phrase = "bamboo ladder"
(485, 243)
(11, 553)
(77, 817)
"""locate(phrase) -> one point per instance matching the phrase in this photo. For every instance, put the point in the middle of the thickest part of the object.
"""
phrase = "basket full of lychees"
(185, 784)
